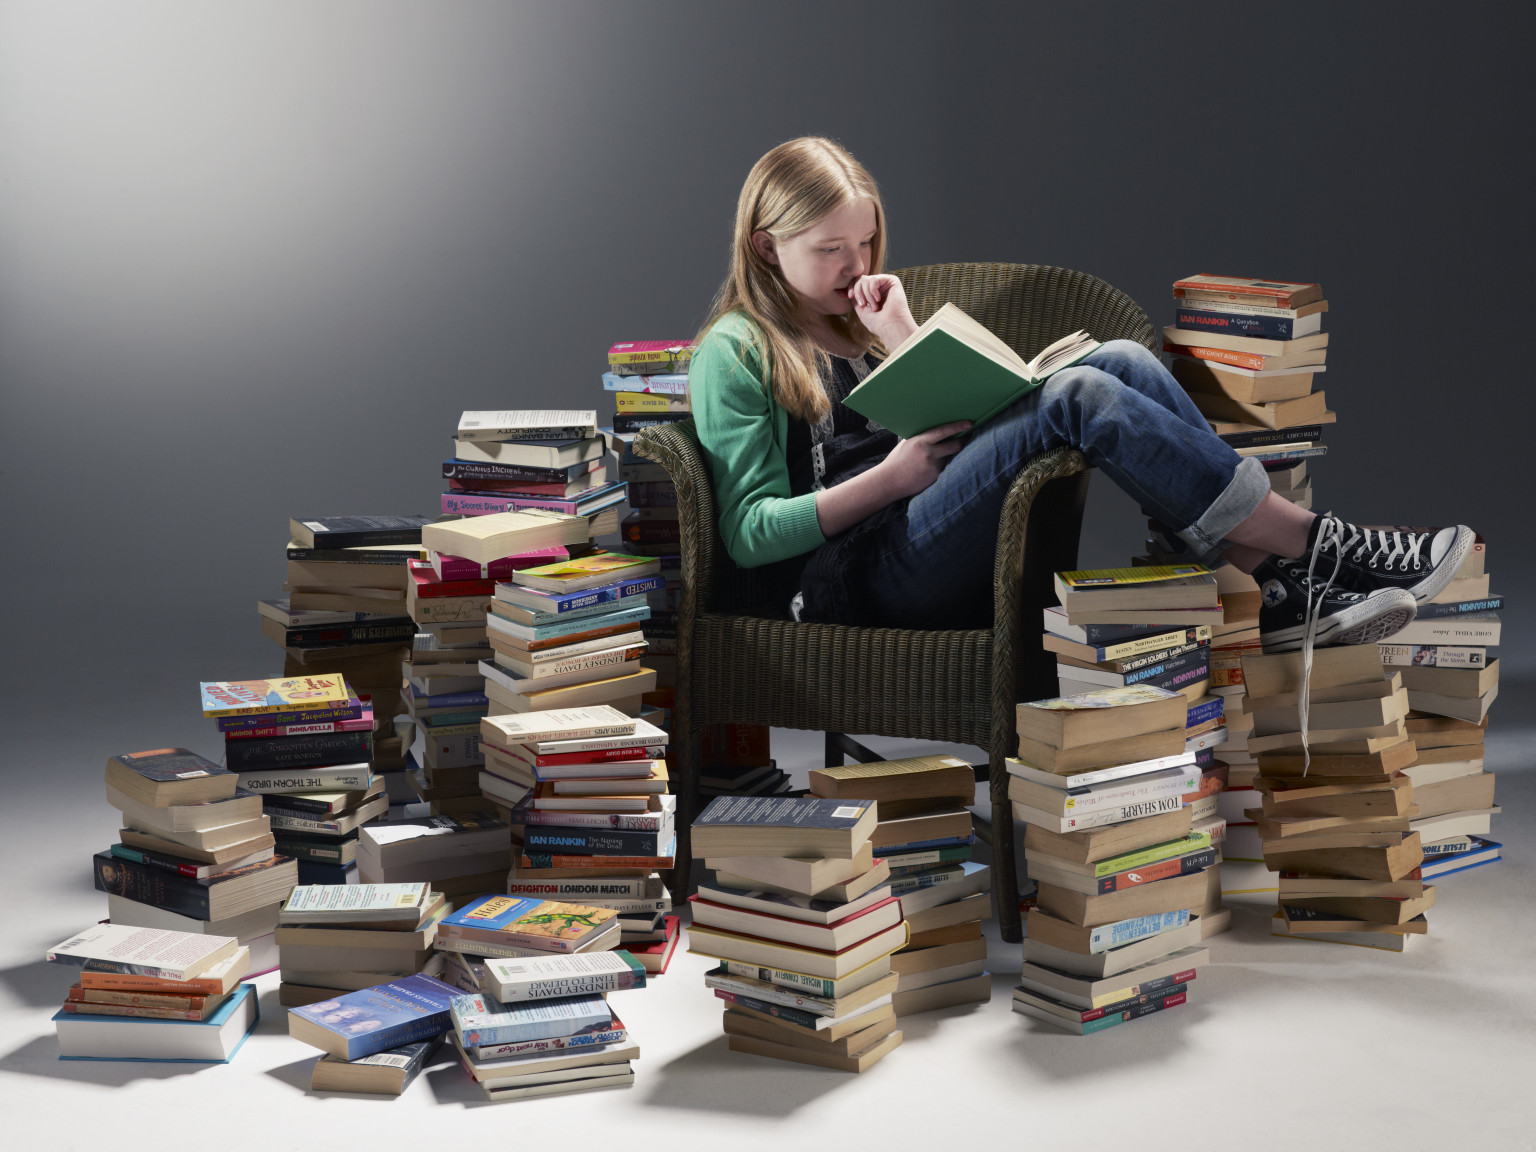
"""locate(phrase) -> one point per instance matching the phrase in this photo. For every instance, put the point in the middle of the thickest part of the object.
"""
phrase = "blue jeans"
(1129, 416)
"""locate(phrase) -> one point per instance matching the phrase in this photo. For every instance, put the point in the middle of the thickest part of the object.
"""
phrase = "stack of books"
(1123, 879)
(802, 920)
(345, 612)
(450, 596)
(735, 760)
(1336, 810)
(515, 461)
(593, 816)
(1452, 678)
(460, 856)
(152, 994)
(313, 771)
(923, 841)
(542, 1026)
(195, 853)
(649, 381)
(335, 938)
(1248, 352)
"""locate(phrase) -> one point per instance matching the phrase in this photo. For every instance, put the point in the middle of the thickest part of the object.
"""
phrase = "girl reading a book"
(850, 524)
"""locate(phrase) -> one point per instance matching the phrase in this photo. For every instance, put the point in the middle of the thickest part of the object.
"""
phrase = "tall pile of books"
(313, 771)
(534, 1019)
(1153, 626)
(345, 612)
(923, 842)
(595, 819)
(195, 853)
(1452, 679)
(338, 938)
(648, 380)
(1337, 806)
(1123, 880)
(154, 994)
(800, 916)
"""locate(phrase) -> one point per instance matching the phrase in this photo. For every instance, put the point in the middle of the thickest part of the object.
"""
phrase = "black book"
(206, 899)
(340, 635)
(1301, 434)
(559, 841)
(163, 776)
(333, 532)
(467, 470)
(310, 750)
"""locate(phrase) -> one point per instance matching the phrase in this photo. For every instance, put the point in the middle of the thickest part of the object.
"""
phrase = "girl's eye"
(829, 251)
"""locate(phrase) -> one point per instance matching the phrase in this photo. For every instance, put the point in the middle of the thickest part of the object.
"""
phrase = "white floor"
(1284, 1044)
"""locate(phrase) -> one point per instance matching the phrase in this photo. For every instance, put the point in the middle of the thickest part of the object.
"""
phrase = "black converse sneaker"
(1299, 610)
(1420, 561)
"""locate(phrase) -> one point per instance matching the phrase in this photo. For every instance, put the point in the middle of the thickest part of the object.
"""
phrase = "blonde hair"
(792, 188)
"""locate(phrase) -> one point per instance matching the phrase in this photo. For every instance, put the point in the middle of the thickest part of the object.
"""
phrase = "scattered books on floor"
(196, 851)
(796, 903)
(154, 994)
(923, 842)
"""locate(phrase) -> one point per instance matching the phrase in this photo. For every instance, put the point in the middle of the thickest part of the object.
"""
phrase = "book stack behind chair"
(1142, 626)
(736, 760)
(1452, 679)
(1336, 813)
(346, 613)
(649, 382)
(799, 914)
(314, 774)
(154, 994)
(339, 938)
(1124, 883)
(542, 1025)
(594, 816)
(924, 840)
(195, 853)
(649, 393)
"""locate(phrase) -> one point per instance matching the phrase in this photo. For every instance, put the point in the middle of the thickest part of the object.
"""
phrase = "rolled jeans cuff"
(1238, 501)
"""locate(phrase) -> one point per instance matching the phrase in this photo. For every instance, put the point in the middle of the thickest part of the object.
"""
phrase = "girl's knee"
(1128, 352)
(1080, 388)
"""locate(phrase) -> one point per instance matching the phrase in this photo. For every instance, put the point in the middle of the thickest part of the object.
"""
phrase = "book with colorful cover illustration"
(1120, 577)
(547, 924)
(1105, 698)
(385, 1016)
(258, 697)
(585, 571)
(482, 1020)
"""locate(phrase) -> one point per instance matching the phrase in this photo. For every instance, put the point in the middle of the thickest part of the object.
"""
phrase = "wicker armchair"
(952, 686)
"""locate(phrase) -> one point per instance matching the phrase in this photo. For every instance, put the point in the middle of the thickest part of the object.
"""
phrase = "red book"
(599, 863)
(430, 586)
(656, 955)
(596, 756)
(363, 723)
(456, 568)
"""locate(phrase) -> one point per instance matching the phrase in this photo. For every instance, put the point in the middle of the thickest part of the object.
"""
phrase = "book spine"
(909, 862)
(1119, 814)
(349, 634)
(627, 617)
(310, 853)
(296, 821)
(1143, 644)
(152, 886)
(163, 863)
(796, 1016)
(351, 711)
(352, 778)
(1108, 936)
(799, 982)
(597, 755)
(907, 885)
(335, 540)
(1235, 323)
(671, 384)
(1172, 674)
(361, 724)
(1161, 870)
(593, 841)
(1433, 656)
(650, 822)
(1302, 434)
(651, 531)
(317, 750)
(295, 804)
(1204, 710)
(1124, 794)
(551, 988)
(561, 603)
(1459, 608)
(513, 435)
(1150, 855)
(639, 421)
(576, 890)
(545, 860)
(301, 554)
(485, 1052)
(142, 1011)
(1220, 356)
(1172, 1000)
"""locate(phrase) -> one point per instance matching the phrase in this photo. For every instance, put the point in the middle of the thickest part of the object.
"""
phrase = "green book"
(953, 369)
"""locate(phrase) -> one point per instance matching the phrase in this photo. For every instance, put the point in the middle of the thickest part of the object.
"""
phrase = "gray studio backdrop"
(256, 257)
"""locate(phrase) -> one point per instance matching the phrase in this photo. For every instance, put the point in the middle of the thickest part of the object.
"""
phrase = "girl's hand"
(880, 302)
(916, 463)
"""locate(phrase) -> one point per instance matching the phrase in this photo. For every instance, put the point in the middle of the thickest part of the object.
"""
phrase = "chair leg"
(840, 745)
(1005, 874)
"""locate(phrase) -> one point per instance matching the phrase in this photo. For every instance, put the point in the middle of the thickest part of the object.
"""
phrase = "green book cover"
(951, 369)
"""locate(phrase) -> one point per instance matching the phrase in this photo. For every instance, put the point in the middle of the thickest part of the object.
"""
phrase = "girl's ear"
(763, 245)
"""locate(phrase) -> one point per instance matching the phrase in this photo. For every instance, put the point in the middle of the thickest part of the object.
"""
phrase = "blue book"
(211, 1041)
(481, 1020)
(1486, 852)
(385, 1016)
(561, 603)
(449, 699)
(1204, 710)
(1236, 324)
(925, 845)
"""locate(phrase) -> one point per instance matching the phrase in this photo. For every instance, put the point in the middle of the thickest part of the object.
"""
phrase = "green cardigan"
(744, 434)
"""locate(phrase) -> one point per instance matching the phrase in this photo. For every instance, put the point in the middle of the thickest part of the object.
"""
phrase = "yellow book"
(258, 697)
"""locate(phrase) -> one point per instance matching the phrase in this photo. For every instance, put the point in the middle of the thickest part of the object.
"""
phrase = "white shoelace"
(1391, 548)
(1329, 531)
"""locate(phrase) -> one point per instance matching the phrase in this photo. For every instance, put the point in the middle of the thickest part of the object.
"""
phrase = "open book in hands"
(953, 369)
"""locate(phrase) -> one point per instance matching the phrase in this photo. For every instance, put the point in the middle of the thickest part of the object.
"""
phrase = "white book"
(592, 722)
(324, 903)
(143, 951)
(1098, 775)
(506, 423)
(577, 974)
(215, 1040)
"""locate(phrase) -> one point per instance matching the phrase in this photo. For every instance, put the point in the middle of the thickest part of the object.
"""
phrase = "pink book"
(451, 568)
